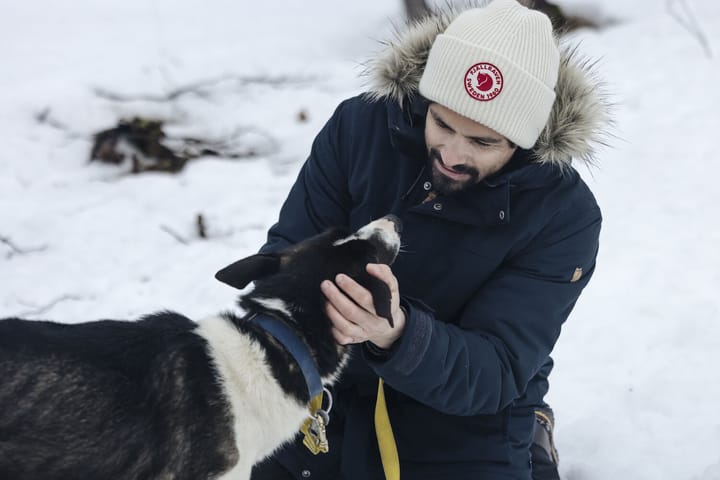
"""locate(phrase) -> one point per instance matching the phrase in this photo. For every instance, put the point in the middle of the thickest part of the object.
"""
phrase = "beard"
(446, 185)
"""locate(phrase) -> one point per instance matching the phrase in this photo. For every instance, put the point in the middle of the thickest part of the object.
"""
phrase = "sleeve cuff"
(406, 354)
(374, 352)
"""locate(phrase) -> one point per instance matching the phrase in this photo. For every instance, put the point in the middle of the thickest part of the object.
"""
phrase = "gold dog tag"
(315, 434)
(314, 427)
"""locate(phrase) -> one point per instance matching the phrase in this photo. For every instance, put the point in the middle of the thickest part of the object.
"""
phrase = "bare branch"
(16, 250)
(198, 88)
(44, 308)
(200, 222)
(45, 117)
(688, 20)
(191, 148)
(173, 234)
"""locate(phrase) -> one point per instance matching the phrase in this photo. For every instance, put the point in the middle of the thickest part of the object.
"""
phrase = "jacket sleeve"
(504, 335)
(319, 198)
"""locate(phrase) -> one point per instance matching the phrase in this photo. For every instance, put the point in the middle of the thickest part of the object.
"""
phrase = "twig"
(173, 234)
(689, 21)
(15, 250)
(200, 222)
(197, 88)
(45, 308)
(45, 117)
(191, 147)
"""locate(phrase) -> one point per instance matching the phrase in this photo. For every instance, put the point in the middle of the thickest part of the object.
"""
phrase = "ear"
(244, 271)
(381, 295)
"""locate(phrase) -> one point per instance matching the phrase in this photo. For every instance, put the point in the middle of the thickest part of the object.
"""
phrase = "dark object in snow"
(561, 22)
(145, 145)
(200, 222)
(138, 140)
(416, 10)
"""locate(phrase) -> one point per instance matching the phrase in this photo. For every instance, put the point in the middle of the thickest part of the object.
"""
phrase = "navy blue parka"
(487, 276)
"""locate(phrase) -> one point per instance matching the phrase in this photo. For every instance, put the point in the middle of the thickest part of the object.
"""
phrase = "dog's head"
(288, 282)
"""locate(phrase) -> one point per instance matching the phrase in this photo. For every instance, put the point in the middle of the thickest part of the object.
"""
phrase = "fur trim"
(579, 119)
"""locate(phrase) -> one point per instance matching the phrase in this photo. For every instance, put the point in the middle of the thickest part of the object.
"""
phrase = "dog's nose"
(397, 223)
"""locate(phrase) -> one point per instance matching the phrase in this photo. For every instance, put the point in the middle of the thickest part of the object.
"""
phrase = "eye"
(480, 143)
(442, 124)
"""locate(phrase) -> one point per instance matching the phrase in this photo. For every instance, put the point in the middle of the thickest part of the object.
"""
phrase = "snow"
(636, 383)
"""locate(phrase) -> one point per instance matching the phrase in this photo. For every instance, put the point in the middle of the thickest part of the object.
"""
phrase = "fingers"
(351, 309)
(344, 314)
(344, 331)
(341, 338)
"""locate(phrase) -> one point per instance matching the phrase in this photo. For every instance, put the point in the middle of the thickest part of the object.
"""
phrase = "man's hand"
(354, 319)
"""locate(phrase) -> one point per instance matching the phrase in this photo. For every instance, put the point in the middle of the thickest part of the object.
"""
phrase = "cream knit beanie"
(496, 65)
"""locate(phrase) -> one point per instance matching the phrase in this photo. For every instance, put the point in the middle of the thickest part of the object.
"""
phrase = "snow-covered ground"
(637, 380)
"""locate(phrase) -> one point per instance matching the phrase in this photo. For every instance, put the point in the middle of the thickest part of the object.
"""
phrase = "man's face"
(461, 151)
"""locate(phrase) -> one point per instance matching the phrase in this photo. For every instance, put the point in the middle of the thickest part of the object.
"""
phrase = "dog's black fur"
(145, 399)
(109, 399)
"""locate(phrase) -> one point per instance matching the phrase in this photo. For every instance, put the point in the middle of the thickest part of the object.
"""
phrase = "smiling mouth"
(450, 173)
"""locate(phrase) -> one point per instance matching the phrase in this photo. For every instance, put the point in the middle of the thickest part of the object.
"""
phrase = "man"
(470, 145)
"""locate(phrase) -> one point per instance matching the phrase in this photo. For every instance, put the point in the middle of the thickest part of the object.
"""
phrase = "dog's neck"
(294, 345)
(307, 317)
(274, 306)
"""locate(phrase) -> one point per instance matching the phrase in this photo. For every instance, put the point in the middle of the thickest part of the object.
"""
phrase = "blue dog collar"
(296, 347)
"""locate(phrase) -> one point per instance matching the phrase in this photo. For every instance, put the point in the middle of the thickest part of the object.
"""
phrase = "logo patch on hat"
(483, 81)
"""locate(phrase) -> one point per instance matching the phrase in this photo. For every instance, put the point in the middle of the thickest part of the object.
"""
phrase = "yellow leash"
(315, 438)
(385, 437)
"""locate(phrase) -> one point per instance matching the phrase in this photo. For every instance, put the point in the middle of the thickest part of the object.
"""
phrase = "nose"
(455, 153)
(397, 223)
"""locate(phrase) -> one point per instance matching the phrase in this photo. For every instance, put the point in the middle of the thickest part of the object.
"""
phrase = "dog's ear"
(242, 272)
(381, 296)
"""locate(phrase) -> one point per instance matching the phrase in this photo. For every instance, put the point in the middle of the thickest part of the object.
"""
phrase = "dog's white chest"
(264, 415)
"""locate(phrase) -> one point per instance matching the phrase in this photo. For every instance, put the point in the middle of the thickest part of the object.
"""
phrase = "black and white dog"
(167, 398)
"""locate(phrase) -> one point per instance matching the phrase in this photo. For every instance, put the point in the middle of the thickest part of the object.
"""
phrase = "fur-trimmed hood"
(579, 119)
